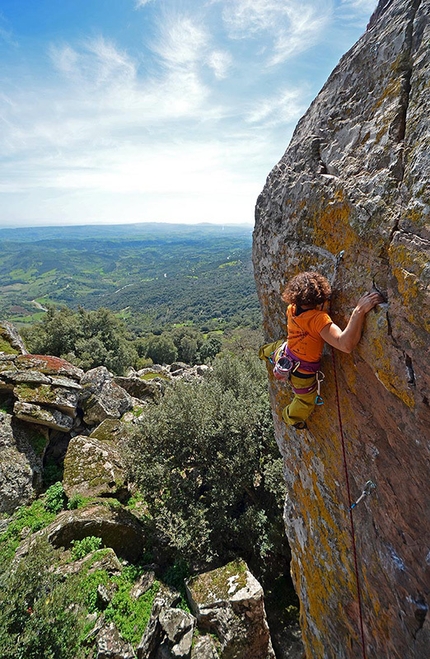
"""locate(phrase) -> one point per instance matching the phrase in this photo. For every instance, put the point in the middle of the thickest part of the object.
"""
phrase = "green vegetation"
(32, 518)
(205, 468)
(80, 548)
(99, 338)
(129, 615)
(54, 498)
(86, 338)
(154, 276)
(37, 616)
(43, 614)
(204, 459)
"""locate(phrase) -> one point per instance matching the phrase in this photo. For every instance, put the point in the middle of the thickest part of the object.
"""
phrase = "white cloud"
(141, 3)
(292, 25)
(220, 62)
(185, 130)
(97, 63)
(285, 107)
(182, 41)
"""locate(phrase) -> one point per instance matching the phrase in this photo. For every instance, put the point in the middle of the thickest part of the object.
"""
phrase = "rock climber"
(308, 327)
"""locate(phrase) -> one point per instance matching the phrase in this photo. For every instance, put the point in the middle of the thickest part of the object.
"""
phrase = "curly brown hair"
(307, 289)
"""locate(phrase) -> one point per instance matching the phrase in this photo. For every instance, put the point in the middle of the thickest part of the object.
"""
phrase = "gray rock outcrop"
(45, 389)
(229, 602)
(20, 464)
(117, 528)
(10, 340)
(93, 468)
(110, 645)
(102, 398)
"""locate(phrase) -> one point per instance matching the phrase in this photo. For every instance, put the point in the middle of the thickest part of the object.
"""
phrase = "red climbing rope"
(345, 466)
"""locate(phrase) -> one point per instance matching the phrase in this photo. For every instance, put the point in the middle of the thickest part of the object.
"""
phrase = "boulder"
(48, 395)
(142, 585)
(21, 454)
(10, 340)
(204, 648)
(101, 559)
(7, 370)
(177, 368)
(140, 389)
(46, 389)
(110, 645)
(110, 430)
(43, 416)
(178, 628)
(153, 636)
(229, 602)
(93, 468)
(117, 528)
(102, 398)
(49, 366)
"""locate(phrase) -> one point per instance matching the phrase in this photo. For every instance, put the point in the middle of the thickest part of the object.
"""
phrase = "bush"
(80, 548)
(200, 458)
(161, 349)
(86, 338)
(54, 498)
(76, 501)
(37, 616)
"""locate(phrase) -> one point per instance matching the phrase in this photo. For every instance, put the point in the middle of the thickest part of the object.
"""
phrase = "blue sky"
(118, 111)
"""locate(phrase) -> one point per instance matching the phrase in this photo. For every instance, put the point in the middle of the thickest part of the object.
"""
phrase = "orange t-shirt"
(304, 339)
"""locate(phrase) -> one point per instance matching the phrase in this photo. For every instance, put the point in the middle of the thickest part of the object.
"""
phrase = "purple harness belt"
(310, 367)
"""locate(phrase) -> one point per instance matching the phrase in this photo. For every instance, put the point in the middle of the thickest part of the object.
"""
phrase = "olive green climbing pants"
(302, 405)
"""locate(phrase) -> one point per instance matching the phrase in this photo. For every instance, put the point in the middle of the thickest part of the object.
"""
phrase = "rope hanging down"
(345, 466)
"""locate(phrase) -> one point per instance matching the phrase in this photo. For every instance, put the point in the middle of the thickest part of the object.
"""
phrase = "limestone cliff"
(355, 177)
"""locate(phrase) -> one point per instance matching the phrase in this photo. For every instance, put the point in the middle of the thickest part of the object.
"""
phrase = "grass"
(6, 347)
(153, 375)
(33, 518)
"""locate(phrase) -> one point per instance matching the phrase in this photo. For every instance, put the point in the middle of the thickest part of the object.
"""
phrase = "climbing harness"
(320, 377)
(285, 363)
(345, 466)
(368, 488)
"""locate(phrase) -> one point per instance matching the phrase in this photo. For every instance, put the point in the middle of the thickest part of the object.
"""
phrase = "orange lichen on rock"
(330, 224)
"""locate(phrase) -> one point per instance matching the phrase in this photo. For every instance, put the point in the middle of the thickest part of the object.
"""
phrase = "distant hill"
(161, 273)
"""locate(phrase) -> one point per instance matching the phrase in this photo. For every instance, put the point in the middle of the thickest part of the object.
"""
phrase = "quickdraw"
(368, 488)
(320, 377)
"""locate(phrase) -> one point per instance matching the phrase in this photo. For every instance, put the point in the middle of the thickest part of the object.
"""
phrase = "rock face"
(355, 177)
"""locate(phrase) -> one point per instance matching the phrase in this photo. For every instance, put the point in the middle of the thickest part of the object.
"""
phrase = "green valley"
(152, 275)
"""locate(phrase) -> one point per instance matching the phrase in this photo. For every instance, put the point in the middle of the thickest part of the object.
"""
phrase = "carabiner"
(319, 377)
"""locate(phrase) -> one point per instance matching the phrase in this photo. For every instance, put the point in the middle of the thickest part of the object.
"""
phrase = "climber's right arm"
(346, 340)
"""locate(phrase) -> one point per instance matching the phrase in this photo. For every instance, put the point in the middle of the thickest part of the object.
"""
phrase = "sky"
(125, 111)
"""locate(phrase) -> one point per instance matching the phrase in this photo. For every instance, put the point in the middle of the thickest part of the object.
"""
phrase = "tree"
(210, 348)
(86, 338)
(161, 349)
